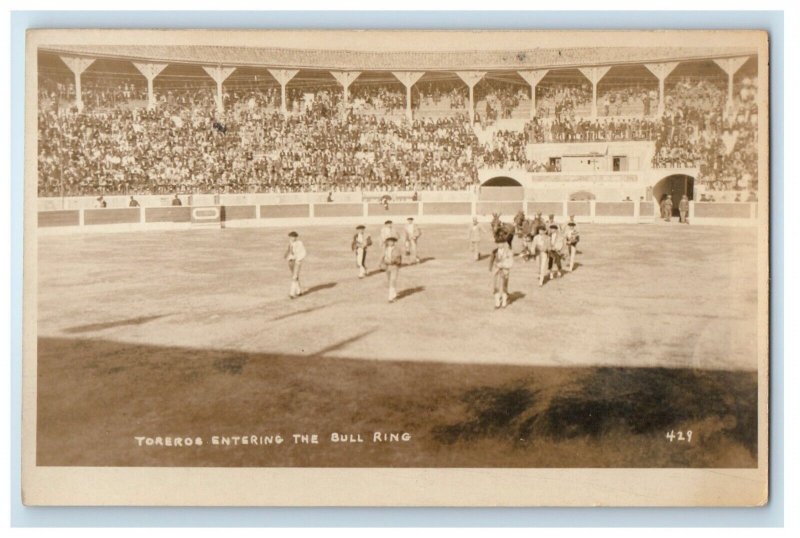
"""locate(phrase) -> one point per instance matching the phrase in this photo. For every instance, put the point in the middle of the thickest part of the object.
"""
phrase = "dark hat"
(554, 226)
(541, 229)
(292, 234)
(571, 223)
(390, 238)
(360, 227)
(388, 222)
(410, 218)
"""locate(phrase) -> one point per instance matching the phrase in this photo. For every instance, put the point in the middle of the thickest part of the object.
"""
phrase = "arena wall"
(546, 208)
(579, 209)
(447, 208)
(338, 210)
(166, 214)
(111, 216)
(723, 210)
(184, 217)
(238, 212)
(285, 211)
(59, 218)
(406, 209)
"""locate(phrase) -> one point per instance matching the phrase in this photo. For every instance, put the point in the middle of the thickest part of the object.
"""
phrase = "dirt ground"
(192, 334)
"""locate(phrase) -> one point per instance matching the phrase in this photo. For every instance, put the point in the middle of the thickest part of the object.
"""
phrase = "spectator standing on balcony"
(390, 262)
(133, 202)
(176, 201)
(100, 203)
(361, 242)
(683, 207)
(412, 233)
(295, 254)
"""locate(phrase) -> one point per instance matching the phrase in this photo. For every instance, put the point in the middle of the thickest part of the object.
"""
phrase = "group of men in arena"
(391, 255)
(543, 240)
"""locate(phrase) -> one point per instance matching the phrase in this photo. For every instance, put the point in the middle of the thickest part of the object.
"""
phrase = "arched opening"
(502, 181)
(581, 196)
(502, 188)
(674, 186)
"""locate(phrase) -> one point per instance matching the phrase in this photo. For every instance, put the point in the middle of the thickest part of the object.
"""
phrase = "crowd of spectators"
(497, 99)
(247, 149)
(697, 132)
(626, 101)
(557, 101)
(440, 96)
(185, 145)
(381, 99)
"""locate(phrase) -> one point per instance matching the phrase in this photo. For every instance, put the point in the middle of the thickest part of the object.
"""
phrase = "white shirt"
(298, 251)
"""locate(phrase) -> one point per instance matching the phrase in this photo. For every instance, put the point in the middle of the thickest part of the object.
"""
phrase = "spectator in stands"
(133, 202)
(176, 201)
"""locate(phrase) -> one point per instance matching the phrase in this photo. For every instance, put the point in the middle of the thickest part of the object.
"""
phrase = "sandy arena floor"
(193, 333)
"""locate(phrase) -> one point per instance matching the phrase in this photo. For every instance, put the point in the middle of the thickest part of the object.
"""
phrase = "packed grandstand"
(118, 140)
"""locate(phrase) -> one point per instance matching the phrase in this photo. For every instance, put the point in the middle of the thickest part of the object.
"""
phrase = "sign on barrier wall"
(206, 215)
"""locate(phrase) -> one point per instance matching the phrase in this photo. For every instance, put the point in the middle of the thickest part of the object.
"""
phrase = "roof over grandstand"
(401, 60)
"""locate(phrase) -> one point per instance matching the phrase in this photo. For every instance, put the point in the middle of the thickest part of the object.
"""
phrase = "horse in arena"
(502, 229)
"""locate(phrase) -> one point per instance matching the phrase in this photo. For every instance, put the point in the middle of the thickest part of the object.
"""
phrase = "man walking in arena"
(295, 254)
(556, 248)
(475, 233)
(500, 264)
(541, 247)
(571, 238)
(361, 241)
(412, 233)
(390, 262)
(683, 208)
(387, 231)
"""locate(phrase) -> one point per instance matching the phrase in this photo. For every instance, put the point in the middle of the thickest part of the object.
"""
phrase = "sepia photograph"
(432, 267)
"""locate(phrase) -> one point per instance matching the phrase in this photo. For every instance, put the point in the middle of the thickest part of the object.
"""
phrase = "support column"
(471, 78)
(219, 74)
(77, 64)
(730, 66)
(283, 76)
(408, 78)
(594, 74)
(150, 71)
(533, 77)
(661, 71)
(345, 78)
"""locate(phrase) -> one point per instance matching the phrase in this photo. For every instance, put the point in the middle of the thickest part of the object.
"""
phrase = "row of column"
(661, 70)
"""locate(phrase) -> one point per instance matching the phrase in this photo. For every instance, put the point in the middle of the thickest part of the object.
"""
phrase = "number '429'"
(679, 436)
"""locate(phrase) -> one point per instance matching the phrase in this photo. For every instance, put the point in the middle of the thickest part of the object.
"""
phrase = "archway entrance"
(502, 188)
(674, 186)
